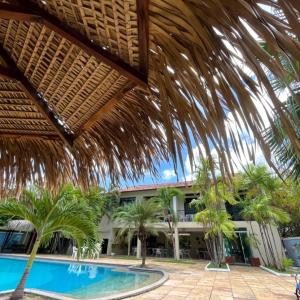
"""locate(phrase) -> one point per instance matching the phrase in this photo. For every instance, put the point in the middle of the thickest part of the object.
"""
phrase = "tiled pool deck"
(190, 281)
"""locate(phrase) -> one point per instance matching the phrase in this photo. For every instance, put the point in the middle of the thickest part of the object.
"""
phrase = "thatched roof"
(89, 88)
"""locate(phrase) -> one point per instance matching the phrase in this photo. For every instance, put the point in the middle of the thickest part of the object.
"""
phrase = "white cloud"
(238, 161)
(168, 174)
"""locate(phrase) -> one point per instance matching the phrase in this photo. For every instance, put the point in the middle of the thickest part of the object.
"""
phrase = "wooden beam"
(33, 13)
(96, 117)
(13, 11)
(20, 119)
(7, 73)
(143, 30)
(35, 97)
(16, 135)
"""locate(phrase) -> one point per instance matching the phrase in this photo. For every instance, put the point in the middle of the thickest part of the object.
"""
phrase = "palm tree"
(276, 135)
(140, 216)
(218, 224)
(96, 198)
(63, 213)
(164, 199)
(212, 213)
(279, 142)
(261, 190)
(288, 199)
(266, 215)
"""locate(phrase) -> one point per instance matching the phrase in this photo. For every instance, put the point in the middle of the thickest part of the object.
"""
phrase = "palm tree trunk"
(171, 231)
(31, 242)
(18, 294)
(209, 248)
(264, 243)
(269, 244)
(215, 250)
(257, 246)
(219, 249)
(129, 243)
(144, 250)
(277, 260)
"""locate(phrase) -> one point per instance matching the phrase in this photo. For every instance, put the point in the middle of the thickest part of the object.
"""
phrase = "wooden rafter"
(14, 73)
(27, 135)
(32, 13)
(7, 73)
(108, 106)
(143, 29)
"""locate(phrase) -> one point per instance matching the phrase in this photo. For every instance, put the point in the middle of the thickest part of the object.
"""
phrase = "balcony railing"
(184, 217)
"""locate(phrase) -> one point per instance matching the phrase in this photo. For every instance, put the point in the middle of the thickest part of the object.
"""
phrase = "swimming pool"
(75, 280)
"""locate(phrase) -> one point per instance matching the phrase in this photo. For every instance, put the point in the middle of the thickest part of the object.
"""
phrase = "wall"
(255, 229)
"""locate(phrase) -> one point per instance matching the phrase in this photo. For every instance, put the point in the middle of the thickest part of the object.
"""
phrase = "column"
(176, 234)
(138, 249)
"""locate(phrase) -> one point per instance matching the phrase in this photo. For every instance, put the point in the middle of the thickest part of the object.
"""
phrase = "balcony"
(184, 217)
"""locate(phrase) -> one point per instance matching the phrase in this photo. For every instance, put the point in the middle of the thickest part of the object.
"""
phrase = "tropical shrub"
(261, 189)
(211, 210)
(287, 263)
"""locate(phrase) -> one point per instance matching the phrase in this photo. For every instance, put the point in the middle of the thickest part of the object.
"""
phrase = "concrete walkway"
(190, 281)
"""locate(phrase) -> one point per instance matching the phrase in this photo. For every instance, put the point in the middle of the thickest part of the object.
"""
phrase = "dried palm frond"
(205, 61)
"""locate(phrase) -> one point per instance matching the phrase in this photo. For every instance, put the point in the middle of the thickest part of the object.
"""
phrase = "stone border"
(276, 273)
(216, 269)
(136, 292)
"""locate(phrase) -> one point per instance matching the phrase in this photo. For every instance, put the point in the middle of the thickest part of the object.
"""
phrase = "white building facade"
(189, 235)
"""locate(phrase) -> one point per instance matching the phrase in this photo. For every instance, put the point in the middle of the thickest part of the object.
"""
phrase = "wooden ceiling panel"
(74, 83)
(18, 114)
(110, 24)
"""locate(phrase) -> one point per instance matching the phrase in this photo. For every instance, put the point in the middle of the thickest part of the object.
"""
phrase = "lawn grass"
(124, 257)
(215, 266)
(156, 259)
(174, 261)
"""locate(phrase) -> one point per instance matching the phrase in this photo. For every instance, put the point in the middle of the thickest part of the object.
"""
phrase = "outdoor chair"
(158, 252)
(184, 253)
(134, 251)
(97, 251)
(74, 252)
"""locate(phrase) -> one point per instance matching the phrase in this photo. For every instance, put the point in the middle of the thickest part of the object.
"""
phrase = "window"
(148, 197)
(126, 200)
(188, 209)
(235, 210)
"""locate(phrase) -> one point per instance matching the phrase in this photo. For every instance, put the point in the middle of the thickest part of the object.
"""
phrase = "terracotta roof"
(149, 187)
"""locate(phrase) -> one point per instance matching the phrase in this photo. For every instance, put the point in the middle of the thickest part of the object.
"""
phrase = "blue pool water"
(72, 279)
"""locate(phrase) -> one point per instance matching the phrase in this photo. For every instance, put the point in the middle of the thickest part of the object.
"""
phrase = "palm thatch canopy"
(90, 88)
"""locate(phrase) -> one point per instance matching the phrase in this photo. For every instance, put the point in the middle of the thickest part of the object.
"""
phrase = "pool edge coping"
(57, 296)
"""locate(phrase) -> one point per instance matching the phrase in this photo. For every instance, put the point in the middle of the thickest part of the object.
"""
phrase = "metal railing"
(184, 217)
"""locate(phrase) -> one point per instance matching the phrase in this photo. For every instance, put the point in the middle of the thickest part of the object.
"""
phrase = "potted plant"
(229, 260)
(255, 261)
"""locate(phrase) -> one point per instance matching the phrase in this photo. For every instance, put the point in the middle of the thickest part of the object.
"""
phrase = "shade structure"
(20, 225)
(96, 88)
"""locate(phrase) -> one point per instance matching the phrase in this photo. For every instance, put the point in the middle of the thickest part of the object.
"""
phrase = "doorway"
(238, 247)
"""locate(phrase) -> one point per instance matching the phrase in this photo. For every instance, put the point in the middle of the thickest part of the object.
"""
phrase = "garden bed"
(277, 272)
(213, 267)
